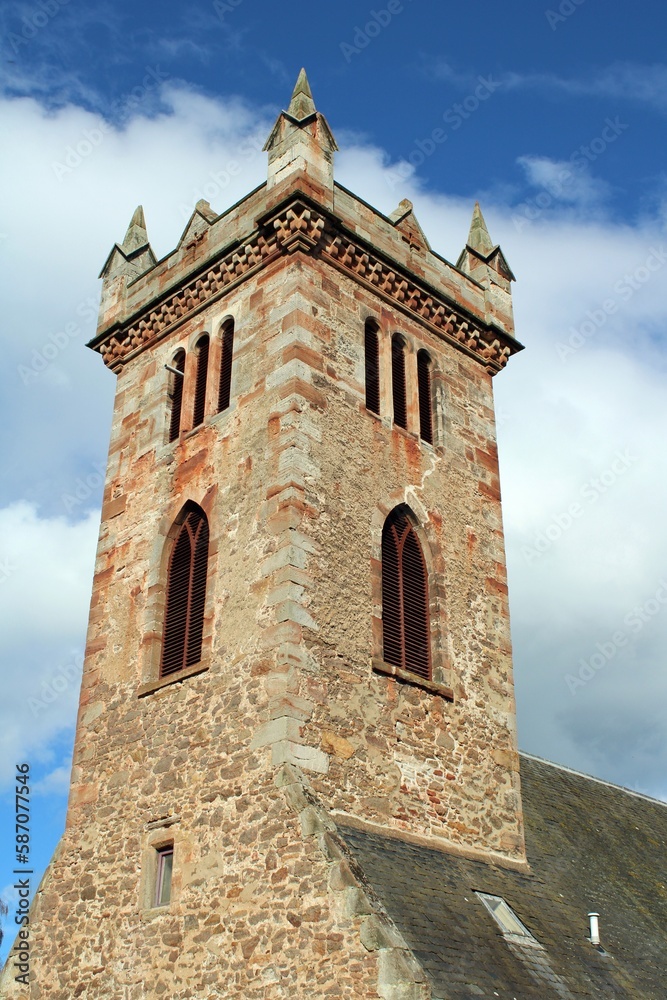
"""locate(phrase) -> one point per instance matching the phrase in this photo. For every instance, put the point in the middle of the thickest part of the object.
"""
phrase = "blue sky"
(553, 116)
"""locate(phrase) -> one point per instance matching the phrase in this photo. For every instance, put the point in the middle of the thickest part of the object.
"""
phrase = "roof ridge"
(591, 777)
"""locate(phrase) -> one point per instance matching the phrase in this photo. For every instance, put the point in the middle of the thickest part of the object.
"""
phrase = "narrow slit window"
(199, 408)
(165, 867)
(425, 402)
(176, 395)
(186, 594)
(405, 613)
(398, 380)
(225, 385)
(372, 358)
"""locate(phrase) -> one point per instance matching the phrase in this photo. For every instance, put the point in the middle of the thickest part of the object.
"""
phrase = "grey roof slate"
(591, 847)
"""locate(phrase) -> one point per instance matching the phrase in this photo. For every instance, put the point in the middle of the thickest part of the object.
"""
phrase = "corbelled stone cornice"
(302, 226)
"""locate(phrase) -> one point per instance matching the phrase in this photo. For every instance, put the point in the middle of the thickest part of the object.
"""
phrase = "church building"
(296, 770)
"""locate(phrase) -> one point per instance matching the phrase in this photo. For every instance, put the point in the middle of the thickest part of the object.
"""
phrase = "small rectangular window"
(165, 865)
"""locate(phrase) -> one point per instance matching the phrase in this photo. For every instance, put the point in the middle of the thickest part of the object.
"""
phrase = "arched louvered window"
(398, 380)
(425, 405)
(176, 395)
(186, 593)
(225, 385)
(405, 617)
(199, 408)
(372, 357)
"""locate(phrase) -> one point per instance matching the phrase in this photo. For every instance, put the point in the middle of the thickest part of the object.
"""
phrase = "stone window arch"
(427, 531)
(398, 387)
(185, 592)
(201, 378)
(424, 366)
(226, 357)
(372, 365)
(405, 596)
(175, 392)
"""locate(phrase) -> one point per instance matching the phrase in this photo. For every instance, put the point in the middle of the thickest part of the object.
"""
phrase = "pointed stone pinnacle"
(478, 237)
(301, 104)
(136, 235)
(138, 217)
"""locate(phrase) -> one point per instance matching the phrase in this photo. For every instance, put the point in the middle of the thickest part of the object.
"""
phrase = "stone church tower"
(299, 620)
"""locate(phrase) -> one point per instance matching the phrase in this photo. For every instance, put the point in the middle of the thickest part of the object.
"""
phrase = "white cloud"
(564, 418)
(564, 181)
(48, 569)
(44, 596)
(568, 423)
(55, 432)
(623, 81)
(55, 782)
(196, 148)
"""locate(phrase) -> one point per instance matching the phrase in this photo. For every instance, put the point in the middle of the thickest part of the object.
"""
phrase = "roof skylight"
(504, 916)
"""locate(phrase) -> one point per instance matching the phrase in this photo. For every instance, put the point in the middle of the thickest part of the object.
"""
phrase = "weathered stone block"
(315, 821)
(276, 730)
(398, 966)
(378, 933)
(307, 757)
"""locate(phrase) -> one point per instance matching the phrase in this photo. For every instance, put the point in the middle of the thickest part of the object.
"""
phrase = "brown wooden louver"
(424, 385)
(176, 396)
(372, 355)
(405, 617)
(199, 408)
(225, 385)
(398, 380)
(186, 593)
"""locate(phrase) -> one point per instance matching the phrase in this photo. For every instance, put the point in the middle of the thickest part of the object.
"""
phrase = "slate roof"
(591, 847)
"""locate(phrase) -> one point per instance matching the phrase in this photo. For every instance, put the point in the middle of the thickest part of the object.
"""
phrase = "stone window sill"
(391, 426)
(175, 678)
(413, 436)
(403, 431)
(209, 420)
(221, 415)
(408, 677)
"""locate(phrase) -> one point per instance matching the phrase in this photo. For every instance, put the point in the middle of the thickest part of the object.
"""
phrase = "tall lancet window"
(199, 408)
(405, 616)
(372, 360)
(398, 380)
(176, 394)
(186, 593)
(425, 404)
(225, 384)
